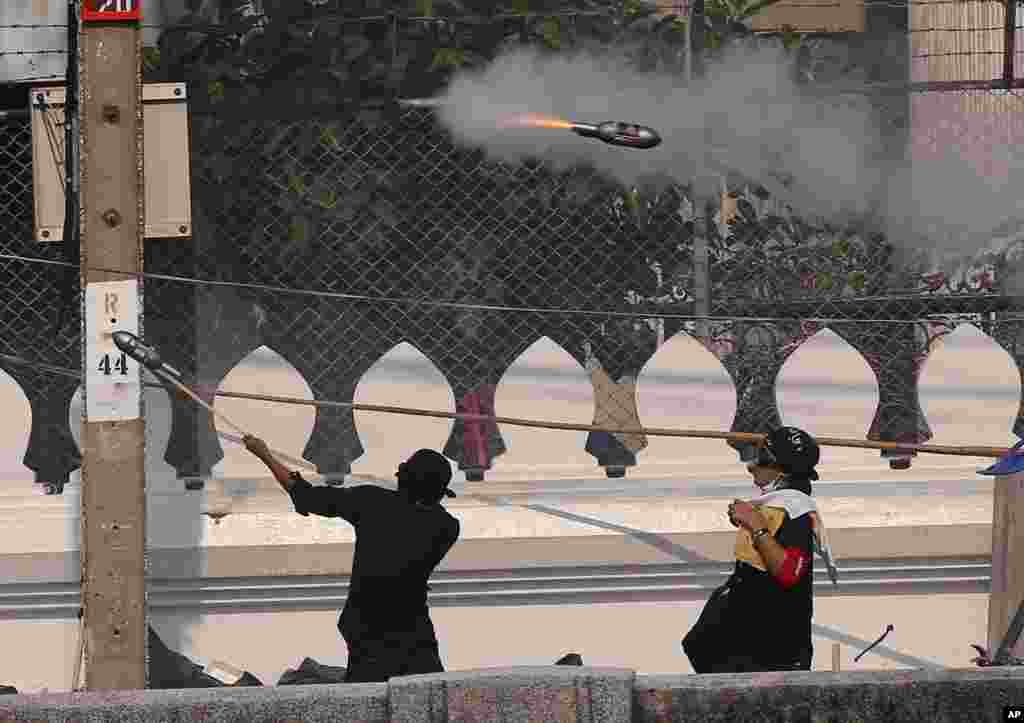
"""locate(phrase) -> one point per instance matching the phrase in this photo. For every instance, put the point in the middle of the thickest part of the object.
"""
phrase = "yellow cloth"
(774, 505)
(745, 550)
(615, 406)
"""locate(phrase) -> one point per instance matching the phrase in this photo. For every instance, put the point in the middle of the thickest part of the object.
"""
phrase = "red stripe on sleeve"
(793, 567)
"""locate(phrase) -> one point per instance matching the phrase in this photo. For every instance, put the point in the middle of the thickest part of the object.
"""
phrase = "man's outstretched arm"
(281, 473)
(319, 500)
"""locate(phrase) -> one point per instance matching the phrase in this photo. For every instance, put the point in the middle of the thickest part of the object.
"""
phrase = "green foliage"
(150, 59)
(790, 38)
(729, 20)
(296, 185)
(328, 137)
(215, 90)
(635, 7)
(235, 51)
(448, 58)
(551, 33)
(298, 230)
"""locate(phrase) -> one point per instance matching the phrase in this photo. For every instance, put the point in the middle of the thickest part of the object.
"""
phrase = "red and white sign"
(111, 10)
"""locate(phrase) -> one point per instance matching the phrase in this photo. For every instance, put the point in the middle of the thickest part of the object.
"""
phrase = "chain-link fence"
(406, 236)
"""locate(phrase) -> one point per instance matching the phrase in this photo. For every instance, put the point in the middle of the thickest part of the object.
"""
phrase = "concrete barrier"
(553, 694)
(950, 696)
(362, 703)
(547, 693)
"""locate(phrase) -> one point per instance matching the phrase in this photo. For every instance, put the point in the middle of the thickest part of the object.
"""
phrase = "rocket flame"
(535, 120)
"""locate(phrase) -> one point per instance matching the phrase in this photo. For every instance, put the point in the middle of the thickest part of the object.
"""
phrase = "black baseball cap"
(792, 449)
(430, 469)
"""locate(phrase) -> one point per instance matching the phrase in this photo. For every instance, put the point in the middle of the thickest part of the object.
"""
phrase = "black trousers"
(383, 646)
(725, 639)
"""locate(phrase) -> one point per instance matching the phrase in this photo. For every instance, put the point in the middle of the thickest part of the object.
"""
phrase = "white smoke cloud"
(752, 118)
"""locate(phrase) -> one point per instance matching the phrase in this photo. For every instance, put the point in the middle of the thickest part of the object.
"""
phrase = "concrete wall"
(550, 694)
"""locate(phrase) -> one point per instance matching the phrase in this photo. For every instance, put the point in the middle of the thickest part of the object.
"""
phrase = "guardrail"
(538, 586)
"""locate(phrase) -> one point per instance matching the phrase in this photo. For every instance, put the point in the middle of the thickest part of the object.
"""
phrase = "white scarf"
(796, 503)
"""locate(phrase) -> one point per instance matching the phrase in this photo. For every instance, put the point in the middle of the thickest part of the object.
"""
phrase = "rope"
(464, 306)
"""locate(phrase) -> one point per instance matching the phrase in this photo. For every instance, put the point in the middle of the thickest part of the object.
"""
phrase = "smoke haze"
(751, 118)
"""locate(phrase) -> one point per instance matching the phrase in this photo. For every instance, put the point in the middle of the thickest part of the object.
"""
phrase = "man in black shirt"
(400, 538)
(760, 619)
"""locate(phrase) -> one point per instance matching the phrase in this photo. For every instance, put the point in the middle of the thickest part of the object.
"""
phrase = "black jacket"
(754, 623)
(398, 542)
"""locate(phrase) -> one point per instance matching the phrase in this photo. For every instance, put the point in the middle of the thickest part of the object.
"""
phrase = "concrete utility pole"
(113, 498)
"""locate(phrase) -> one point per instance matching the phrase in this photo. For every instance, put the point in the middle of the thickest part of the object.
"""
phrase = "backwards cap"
(431, 470)
(792, 449)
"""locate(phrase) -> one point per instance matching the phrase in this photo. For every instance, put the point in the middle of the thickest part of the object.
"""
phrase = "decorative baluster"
(473, 360)
(51, 452)
(896, 354)
(615, 406)
(475, 444)
(754, 354)
(333, 345)
(334, 444)
(613, 358)
(226, 328)
(1008, 331)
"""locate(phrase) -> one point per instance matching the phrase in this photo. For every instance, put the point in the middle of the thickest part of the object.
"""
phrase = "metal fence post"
(1009, 42)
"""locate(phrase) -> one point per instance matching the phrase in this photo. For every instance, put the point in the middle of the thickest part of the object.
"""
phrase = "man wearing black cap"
(400, 538)
(760, 619)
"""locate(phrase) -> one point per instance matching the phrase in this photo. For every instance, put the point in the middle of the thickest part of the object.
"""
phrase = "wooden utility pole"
(1007, 592)
(113, 516)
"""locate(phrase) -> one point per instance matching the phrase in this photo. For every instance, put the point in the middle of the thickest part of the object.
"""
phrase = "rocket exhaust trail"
(616, 133)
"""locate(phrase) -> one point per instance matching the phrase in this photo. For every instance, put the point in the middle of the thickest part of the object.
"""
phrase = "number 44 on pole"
(111, 10)
(120, 365)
